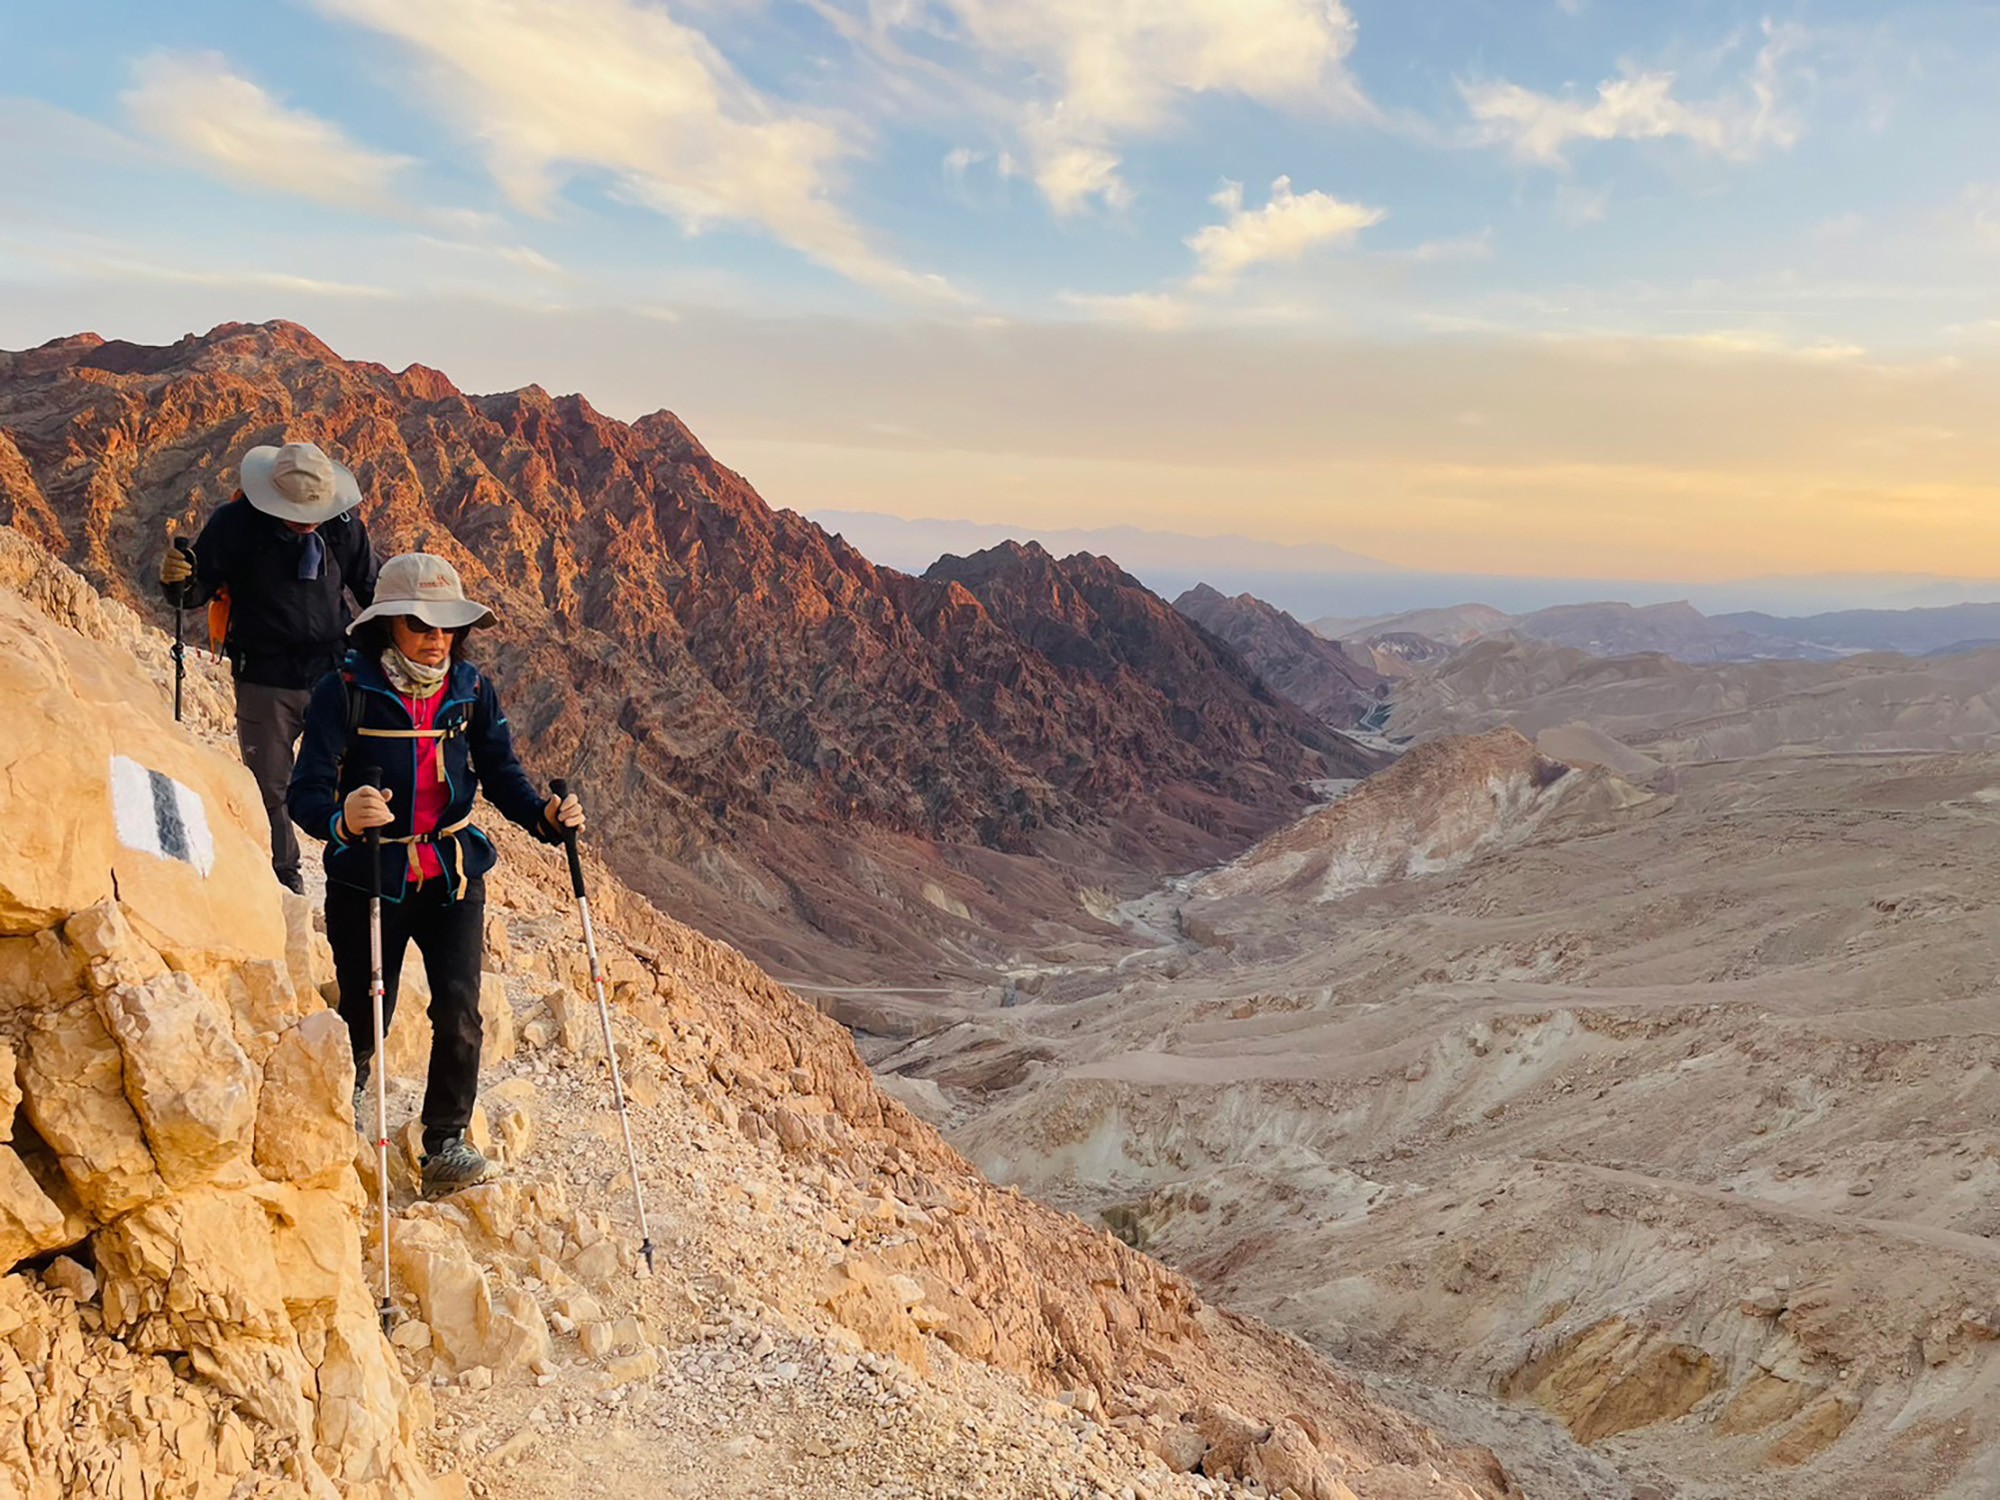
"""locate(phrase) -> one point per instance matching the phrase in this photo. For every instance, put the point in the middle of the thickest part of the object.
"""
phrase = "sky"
(1594, 288)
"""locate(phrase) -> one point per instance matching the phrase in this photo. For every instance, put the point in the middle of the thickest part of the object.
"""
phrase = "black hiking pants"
(451, 936)
(269, 721)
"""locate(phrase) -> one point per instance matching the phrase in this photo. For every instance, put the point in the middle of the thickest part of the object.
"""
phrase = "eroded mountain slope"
(1673, 1122)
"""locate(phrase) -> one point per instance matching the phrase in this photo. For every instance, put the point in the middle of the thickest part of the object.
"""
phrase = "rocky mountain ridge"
(1317, 674)
(1606, 628)
(844, 767)
(842, 1306)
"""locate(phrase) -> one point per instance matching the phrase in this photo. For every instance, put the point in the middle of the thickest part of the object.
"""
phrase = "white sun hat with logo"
(425, 585)
(297, 483)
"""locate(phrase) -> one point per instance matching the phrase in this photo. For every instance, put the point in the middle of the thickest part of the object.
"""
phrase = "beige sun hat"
(425, 585)
(297, 483)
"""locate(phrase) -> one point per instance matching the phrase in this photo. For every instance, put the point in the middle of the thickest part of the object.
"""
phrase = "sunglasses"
(422, 627)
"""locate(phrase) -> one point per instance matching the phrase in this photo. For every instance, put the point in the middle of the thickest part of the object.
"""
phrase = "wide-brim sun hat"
(425, 585)
(297, 483)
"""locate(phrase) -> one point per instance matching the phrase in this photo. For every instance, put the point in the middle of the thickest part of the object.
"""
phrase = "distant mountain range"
(1609, 628)
(1312, 580)
(1914, 632)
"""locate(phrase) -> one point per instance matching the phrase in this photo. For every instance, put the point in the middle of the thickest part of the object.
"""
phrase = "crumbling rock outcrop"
(170, 1107)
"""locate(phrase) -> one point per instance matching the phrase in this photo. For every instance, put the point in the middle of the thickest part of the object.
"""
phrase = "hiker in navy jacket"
(288, 549)
(409, 704)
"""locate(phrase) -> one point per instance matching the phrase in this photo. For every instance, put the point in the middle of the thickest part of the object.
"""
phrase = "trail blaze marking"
(158, 815)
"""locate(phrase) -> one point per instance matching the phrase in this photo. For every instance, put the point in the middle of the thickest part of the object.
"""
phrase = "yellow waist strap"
(436, 836)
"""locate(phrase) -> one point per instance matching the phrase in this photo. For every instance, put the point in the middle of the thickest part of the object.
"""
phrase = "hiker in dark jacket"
(287, 549)
(407, 703)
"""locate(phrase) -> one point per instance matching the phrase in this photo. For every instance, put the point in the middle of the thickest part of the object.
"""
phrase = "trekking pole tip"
(646, 1250)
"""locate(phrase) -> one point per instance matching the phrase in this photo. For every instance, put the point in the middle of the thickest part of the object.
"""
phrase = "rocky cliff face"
(784, 736)
(1310, 670)
(173, 1124)
(843, 1307)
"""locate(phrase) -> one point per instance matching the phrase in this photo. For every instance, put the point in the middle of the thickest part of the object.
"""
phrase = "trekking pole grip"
(372, 776)
(560, 789)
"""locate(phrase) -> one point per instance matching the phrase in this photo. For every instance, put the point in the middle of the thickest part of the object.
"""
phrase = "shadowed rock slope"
(796, 747)
(1317, 674)
(842, 1307)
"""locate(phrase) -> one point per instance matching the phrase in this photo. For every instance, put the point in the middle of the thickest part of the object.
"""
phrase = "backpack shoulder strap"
(356, 704)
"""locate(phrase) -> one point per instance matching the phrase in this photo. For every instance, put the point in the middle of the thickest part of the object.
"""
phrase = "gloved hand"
(564, 814)
(366, 807)
(176, 567)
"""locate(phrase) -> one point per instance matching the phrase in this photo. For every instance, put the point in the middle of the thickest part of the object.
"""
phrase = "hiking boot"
(291, 880)
(364, 1109)
(454, 1165)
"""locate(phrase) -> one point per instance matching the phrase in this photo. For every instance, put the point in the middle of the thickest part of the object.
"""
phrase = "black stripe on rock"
(167, 821)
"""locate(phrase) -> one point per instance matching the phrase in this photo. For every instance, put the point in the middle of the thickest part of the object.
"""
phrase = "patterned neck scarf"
(412, 678)
(312, 557)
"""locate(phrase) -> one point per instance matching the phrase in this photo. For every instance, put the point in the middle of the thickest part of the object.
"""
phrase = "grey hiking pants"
(269, 721)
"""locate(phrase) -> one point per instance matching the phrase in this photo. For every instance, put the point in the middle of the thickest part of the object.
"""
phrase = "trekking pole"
(180, 545)
(561, 790)
(372, 776)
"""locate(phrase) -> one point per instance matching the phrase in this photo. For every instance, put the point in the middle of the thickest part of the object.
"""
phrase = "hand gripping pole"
(561, 789)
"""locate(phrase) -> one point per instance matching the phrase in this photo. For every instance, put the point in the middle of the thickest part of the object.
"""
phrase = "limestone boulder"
(304, 1133)
(121, 795)
(73, 1087)
(30, 1221)
(10, 1093)
(192, 1086)
(473, 1321)
(862, 1297)
(38, 973)
(308, 956)
(193, 1271)
(108, 950)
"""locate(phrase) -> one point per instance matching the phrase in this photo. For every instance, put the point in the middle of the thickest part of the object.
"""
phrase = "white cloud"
(196, 105)
(1641, 106)
(1284, 229)
(1114, 70)
(553, 88)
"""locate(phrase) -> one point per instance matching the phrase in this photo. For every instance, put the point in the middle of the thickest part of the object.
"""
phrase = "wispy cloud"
(550, 89)
(1105, 72)
(1642, 105)
(1465, 247)
(1284, 229)
(1288, 227)
(199, 107)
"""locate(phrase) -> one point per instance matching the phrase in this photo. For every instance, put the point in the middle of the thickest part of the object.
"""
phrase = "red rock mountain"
(1310, 670)
(779, 739)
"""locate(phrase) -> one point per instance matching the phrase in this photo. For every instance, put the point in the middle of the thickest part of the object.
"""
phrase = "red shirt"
(433, 796)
